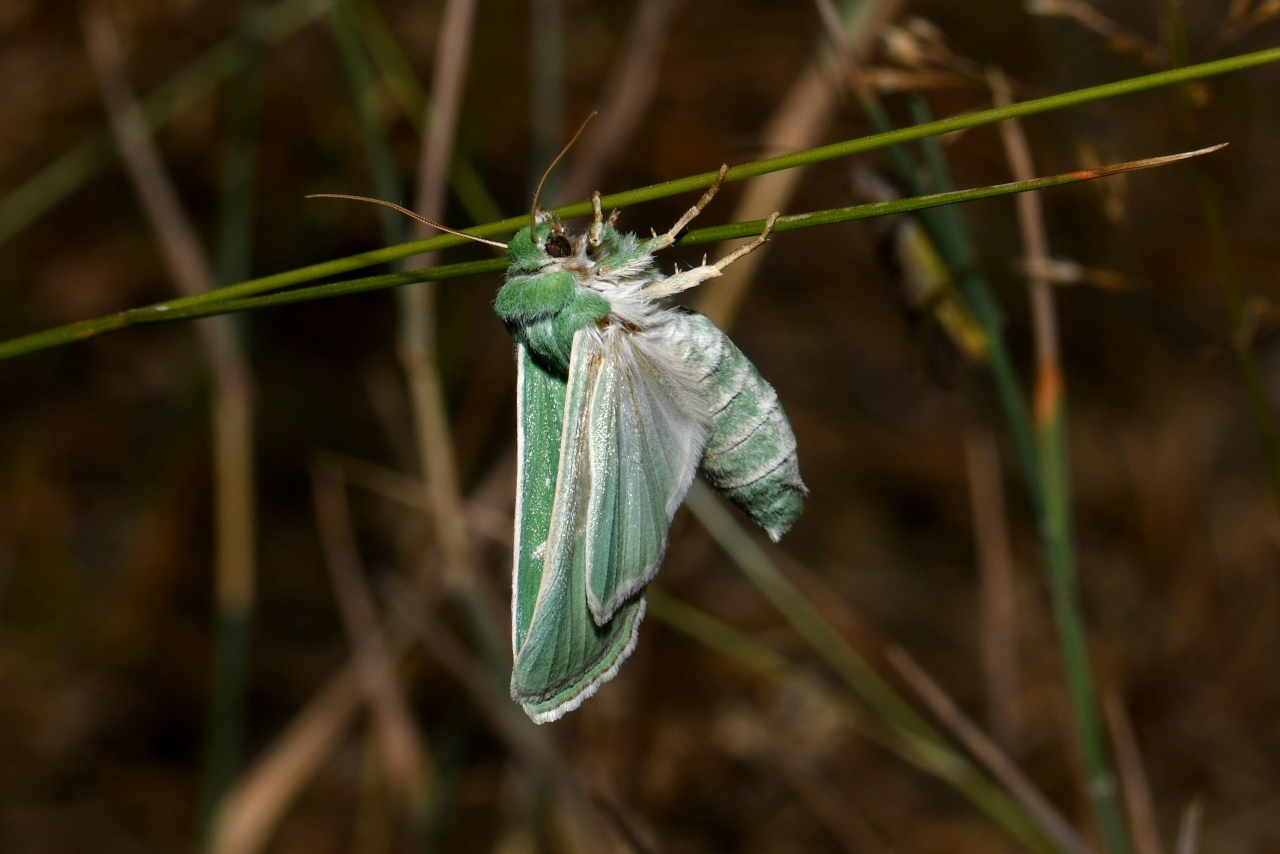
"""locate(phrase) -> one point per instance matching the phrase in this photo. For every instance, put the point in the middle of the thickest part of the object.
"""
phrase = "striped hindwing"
(751, 451)
(624, 456)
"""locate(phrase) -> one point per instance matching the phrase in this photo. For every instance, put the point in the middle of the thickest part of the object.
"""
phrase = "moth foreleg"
(682, 281)
(750, 247)
(597, 220)
(670, 237)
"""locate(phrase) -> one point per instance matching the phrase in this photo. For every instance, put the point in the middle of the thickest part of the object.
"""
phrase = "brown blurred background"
(107, 611)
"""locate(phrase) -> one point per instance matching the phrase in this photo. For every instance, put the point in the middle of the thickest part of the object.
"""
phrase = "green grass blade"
(362, 83)
(929, 748)
(61, 178)
(233, 624)
(187, 308)
(953, 239)
(397, 75)
(759, 167)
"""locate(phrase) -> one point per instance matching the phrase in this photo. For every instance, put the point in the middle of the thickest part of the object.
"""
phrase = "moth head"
(544, 244)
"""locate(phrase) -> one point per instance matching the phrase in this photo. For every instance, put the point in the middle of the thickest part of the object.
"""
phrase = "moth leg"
(682, 281)
(597, 220)
(670, 237)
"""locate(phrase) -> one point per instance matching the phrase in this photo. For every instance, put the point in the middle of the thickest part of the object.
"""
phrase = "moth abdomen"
(750, 456)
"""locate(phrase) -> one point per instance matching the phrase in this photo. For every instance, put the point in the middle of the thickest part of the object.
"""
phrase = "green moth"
(622, 399)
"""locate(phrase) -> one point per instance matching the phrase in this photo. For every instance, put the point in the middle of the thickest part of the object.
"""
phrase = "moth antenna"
(533, 212)
(408, 213)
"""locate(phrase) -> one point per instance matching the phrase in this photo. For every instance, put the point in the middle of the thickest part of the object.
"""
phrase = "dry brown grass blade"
(998, 593)
(418, 320)
(231, 409)
(796, 124)
(254, 807)
(258, 803)
(888, 81)
(174, 231)
(1189, 829)
(191, 273)
(1036, 248)
(404, 747)
(626, 97)
(989, 754)
(529, 744)
(1063, 271)
(1118, 38)
(483, 520)
(1133, 777)
(1241, 18)
(844, 825)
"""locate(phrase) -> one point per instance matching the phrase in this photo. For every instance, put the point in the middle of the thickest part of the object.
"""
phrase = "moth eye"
(558, 246)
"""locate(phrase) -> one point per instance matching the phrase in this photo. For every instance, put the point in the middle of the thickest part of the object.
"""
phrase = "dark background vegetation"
(105, 514)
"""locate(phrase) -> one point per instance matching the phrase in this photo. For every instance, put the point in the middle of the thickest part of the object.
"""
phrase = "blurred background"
(232, 617)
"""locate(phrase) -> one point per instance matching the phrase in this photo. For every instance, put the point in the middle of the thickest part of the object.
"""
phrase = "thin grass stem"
(998, 594)
(64, 176)
(233, 628)
(546, 91)
(1188, 841)
(418, 344)
(925, 745)
(797, 123)
(231, 409)
(704, 180)
(362, 83)
(404, 748)
(632, 82)
(398, 76)
(1241, 329)
(953, 241)
(1133, 777)
(252, 810)
(187, 309)
(1056, 529)
(1228, 279)
(988, 753)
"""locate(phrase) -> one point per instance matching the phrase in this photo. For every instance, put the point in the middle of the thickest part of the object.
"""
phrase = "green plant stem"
(546, 91)
(953, 240)
(187, 308)
(1229, 281)
(749, 170)
(930, 748)
(233, 623)
(1056, 528)
(362, 84)
(61, 178)
(397, 74)
(420, 799)
(947, 231)
(1241, 329)
(1056, 533)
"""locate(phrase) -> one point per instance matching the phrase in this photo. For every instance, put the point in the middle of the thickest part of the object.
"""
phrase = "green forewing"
(561, 655)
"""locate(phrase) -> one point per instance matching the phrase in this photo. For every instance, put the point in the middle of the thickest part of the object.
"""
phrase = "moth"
(622, 399)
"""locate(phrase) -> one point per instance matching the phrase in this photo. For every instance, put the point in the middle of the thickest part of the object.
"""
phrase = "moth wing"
(561, 655)
(645, 439)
